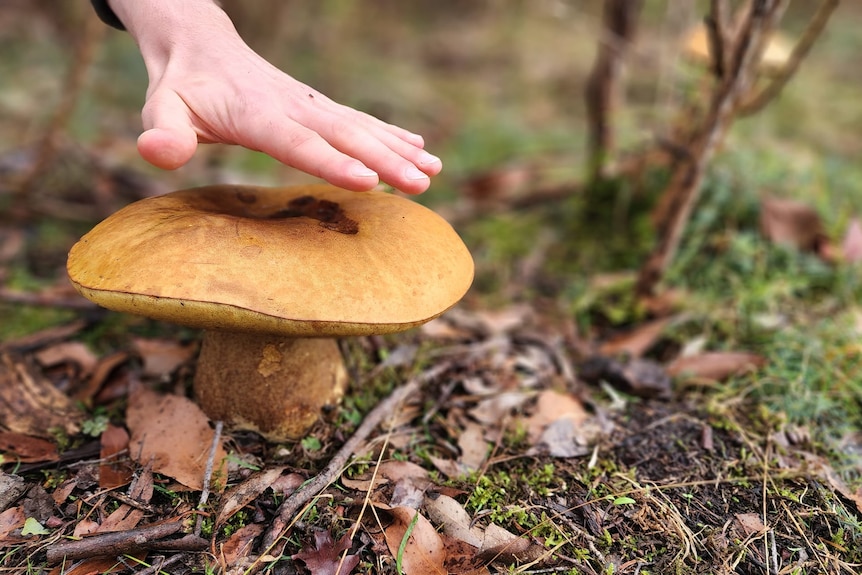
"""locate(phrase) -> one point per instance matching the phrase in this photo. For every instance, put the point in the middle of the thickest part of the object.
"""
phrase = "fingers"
(169, 140)
(394, 153)
(345, 147)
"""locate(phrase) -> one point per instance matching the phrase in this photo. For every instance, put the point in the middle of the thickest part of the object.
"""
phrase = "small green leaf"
(624, 501)
(33, 527)
(311, 443)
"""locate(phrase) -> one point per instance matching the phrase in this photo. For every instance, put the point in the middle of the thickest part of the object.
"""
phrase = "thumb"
(169, 141)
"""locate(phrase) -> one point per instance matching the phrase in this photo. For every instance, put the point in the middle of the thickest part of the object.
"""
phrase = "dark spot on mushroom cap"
(328, 213)
(246, 197)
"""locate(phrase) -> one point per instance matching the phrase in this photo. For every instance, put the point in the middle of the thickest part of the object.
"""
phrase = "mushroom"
(272, 275)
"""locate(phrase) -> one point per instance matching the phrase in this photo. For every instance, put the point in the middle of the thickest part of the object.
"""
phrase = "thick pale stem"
(273, 385)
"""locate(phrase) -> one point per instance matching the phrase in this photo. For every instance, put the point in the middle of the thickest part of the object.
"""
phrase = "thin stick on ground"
(208, 473)
(310, 489)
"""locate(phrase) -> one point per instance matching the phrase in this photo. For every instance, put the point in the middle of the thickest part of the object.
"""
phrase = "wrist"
(163, 27)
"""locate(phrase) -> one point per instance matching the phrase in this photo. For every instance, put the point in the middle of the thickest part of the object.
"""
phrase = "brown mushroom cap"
(298, 261)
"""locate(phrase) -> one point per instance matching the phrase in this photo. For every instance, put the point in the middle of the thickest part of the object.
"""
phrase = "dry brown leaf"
(424, 553)
(162, 357)
(244, 493)
(494, 409)
(240, 543)
(26, 448)
(474, 448)
(851, 248)
(551, 406)
(114, 469)
(717, 365)
(71, 352)
(326, 557)
(840, 486)
(62, 493)
(462, 558)
(10, 520)
(503, 546)
(173, 435)
(453, 519)
(85, 526)
(101, 372)
(93, 566)
(749, 523)
(387, 472)
(30, 404)
(638, 341)
(792, 223)
(126, 517)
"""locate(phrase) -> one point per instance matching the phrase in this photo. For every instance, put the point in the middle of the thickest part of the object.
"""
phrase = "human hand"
(208, 86)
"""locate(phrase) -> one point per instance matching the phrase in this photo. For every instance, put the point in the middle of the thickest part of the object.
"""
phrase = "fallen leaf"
(638, 377)
(26, 448)
(85, 526)
(10, 520)
(240, 543)
(492, 410)
(423, 552)
(791, 223)
(30, 404)
(462, 558)
(173, 435)
(326, 557)
(550, 407)
(636, 342)
(567, 438)
(244, 493)
(453, 519)
(68, 352)
(503, 546)
(474, 448)
(33, 527)
(716, 366)
(750, 523)
(387, 472)
(103, 369)
(162, 357)
(851, 248)
(114, 469)
(126, 517)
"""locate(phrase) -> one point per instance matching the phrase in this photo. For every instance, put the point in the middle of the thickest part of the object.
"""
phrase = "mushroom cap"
(298, 261)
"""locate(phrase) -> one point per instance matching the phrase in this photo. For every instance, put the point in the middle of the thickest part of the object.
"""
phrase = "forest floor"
(552, 422)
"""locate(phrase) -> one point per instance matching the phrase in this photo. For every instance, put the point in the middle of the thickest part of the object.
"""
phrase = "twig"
(757, 102)
(124, 542)
(619, 20)
(208, 473)
(314, 486)
(42, 338)
(684, 188)
(72, 88)
(161, 564)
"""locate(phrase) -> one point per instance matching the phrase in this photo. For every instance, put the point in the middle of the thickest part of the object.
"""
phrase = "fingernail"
(426, 159)
(363, 172)
(413, 173)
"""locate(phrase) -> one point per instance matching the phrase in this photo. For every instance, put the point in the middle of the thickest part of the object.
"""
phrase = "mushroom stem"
(270, 384)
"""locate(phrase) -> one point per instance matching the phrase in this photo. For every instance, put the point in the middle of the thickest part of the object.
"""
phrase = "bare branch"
(759, 101)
